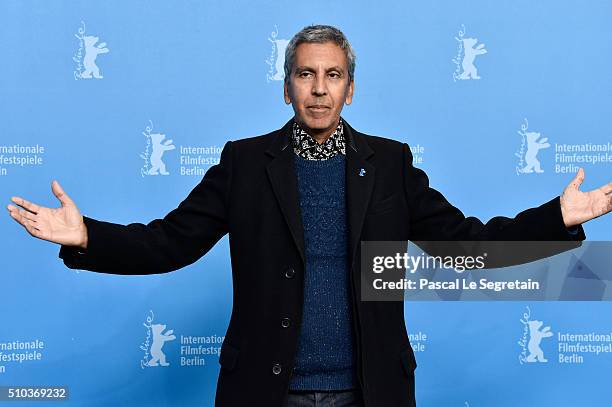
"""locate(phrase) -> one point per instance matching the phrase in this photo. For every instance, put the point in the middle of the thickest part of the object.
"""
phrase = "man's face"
(318, 87)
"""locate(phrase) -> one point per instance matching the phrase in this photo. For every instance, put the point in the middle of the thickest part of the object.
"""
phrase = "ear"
(286, 92)
(349, 93)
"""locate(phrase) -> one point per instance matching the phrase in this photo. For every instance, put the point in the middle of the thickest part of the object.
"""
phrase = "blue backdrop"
(127, 104)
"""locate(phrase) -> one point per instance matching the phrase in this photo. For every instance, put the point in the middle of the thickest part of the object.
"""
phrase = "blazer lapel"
(359, 185)
(281, 172)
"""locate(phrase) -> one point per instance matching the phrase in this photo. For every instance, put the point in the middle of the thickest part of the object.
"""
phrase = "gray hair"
(319, 34)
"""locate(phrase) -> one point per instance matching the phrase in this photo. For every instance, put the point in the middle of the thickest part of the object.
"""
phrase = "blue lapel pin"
(362, 172)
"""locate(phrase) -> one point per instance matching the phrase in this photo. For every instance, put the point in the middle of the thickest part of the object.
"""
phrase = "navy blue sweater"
(324, 359)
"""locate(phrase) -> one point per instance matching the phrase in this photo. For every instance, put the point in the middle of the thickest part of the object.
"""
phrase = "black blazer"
(252, 195)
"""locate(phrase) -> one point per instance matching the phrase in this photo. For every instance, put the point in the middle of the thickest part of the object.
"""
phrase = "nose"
(319, 86)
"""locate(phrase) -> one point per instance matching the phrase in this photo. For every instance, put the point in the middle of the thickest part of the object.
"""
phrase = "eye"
(334, 75)
(305, 74)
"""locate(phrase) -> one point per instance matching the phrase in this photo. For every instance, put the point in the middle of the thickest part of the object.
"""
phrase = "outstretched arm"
(183, 236)
(433, 218)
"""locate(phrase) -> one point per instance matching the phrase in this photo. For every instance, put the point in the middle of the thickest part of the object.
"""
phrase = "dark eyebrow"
(306, 68)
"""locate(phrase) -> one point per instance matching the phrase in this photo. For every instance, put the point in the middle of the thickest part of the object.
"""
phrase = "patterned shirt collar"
(307, 147)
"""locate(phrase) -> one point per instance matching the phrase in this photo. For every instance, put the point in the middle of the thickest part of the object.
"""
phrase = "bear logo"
(281, 46)
(159, 148)
(159, 339)
(535, 338)
(91, 53)
(534, 145)
(469, 54)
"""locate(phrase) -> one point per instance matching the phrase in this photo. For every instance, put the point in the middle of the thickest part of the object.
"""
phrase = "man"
(296, 203)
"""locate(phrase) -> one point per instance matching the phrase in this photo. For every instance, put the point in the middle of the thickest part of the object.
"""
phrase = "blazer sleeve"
(183, 236)
(433, 218)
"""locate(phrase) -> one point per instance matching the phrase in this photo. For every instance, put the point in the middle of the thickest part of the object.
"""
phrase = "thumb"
(578, 178)
(58, 191)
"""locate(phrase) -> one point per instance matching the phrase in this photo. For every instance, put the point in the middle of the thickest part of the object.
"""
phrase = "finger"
(21, 215)
(32, 207)
(32, 229)
(26, 223)
(578, 178)
(607, 189)
(59, 192)
(26, 215)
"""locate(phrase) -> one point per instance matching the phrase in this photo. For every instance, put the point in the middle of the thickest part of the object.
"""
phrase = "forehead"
(325, 54)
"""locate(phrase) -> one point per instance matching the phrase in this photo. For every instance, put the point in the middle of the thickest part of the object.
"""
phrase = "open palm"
(63, 225)
(578, 207)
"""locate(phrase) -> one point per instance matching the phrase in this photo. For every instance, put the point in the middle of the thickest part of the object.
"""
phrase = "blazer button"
(285, 322)
(276, 369)
(290, 273)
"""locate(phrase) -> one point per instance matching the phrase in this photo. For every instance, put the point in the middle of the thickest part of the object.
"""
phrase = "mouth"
(318, 108)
